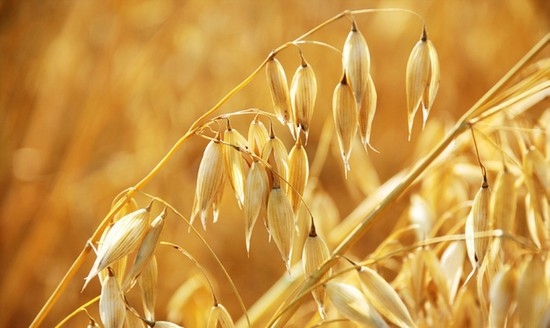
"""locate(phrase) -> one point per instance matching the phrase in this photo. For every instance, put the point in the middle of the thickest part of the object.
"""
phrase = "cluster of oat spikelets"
(470, 251)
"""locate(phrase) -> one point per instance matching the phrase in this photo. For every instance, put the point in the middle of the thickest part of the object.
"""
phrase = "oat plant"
(471, 249)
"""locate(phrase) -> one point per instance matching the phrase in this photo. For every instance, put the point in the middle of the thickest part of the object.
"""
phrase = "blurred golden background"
(93, 94)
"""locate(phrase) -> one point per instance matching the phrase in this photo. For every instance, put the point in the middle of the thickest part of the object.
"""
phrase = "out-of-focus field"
(93, 94)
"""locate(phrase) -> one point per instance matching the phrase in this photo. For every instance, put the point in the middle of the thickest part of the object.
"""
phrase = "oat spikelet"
(210, 181)
(148, 286)
(478, 220)
(122, 238)
(112, 309)
(119, 267)
(501, 295)
(356, 62)
(255, 198)
(235, 164)
(146, 250)
(280, 94)
(280, 221)
(276, 155)
(219, 314)
(422, 79)
(257, 136)
(298, 172)
(303, 92)
(366, 114)
(384, 298)
(314, 254)
(345, 114)
(352, 304)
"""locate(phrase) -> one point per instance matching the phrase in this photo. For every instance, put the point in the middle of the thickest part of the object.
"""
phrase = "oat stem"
(280, 319)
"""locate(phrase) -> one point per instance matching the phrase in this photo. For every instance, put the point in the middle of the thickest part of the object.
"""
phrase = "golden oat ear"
(235, 164)
(255, 197)
(122, 238)
(356, 62)
(112, 307)
(298, 173)
(384, 298)
(280, 94)
(346, 118)
(422, 79)
(314, 254)
(276, 155)
(147, 282)
(367, 110)
(303, 93)
(210, 181)
(146, 250)
(281, 223)
(478, 221)
(257, 136)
